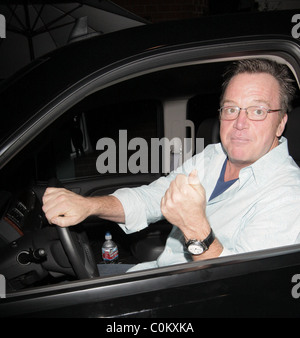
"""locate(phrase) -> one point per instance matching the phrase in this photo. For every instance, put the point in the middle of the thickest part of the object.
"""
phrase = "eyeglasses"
(255, 113)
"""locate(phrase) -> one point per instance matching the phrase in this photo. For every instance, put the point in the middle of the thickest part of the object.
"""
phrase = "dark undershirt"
(221, 186)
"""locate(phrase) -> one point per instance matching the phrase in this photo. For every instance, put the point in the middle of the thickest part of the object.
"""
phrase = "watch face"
(195, 249)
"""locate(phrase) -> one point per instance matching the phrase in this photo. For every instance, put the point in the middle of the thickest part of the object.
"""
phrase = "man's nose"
(242, 120)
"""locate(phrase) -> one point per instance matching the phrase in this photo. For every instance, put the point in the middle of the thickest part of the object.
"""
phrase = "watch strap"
(206, 243)
(209, 239)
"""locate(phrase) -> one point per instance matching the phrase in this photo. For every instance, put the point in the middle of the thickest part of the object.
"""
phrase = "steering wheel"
(76, 246)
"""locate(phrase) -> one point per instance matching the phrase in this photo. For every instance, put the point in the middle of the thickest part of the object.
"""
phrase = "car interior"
(152, 105)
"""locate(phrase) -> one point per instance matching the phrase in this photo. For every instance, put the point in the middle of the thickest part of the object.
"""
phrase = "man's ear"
(281, 125)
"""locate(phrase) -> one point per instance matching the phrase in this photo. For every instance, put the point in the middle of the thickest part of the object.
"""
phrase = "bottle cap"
(108, 235)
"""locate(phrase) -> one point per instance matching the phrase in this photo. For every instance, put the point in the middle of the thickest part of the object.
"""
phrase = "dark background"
(157, 10)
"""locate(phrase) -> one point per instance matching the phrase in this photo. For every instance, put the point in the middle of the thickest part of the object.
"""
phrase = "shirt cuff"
(226, 252)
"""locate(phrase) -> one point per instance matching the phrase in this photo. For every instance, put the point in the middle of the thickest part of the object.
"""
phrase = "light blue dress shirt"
(260, 210)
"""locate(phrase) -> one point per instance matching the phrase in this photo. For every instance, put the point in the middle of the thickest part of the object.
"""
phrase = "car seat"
(292, 134)
(209, 129)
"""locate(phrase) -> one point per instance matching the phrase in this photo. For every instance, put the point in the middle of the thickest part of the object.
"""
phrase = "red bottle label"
(110, 254)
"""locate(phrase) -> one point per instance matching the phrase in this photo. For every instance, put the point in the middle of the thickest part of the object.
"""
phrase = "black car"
(151, 82)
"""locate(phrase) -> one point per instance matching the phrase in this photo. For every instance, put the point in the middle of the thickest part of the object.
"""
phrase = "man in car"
(237, 196)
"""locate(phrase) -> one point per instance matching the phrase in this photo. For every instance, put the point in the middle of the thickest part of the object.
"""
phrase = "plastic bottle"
(110, 252)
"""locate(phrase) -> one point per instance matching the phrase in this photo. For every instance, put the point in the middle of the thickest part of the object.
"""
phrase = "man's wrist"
(198, 231)
(196, 247)
(93, 206)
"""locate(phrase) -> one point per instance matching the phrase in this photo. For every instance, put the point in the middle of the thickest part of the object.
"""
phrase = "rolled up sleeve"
(142, 205)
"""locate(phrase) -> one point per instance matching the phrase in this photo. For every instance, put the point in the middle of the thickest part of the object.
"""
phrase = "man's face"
(245, 141)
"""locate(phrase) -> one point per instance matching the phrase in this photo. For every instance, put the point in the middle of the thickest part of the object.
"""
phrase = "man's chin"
(240, 159)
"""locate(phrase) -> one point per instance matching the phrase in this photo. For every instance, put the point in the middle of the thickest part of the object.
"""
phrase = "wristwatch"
(196, 247)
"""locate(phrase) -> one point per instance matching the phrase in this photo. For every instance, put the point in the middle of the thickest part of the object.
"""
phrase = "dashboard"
(19, 214)
(30, 250)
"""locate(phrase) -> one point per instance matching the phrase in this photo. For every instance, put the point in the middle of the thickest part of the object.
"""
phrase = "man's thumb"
(59, 220)
(193, 178)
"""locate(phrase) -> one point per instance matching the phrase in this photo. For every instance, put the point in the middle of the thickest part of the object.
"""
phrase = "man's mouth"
(239, 139)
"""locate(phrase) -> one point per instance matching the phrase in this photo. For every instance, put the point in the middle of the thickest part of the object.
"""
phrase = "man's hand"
(184, 205)
(64, 208)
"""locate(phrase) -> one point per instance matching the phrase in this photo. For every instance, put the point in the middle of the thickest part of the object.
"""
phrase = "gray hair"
(279, 71)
